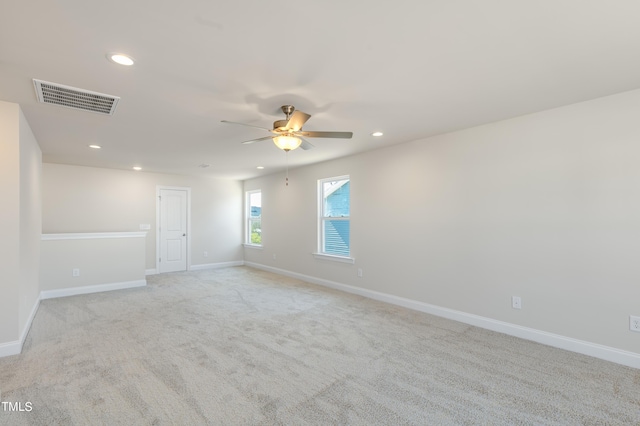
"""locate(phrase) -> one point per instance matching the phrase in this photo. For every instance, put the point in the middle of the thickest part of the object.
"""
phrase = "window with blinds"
(334, 222)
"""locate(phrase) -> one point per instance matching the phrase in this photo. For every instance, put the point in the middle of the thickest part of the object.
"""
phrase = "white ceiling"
(408, 68)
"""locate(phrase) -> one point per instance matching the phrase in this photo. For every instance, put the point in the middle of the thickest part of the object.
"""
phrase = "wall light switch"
(76, 272)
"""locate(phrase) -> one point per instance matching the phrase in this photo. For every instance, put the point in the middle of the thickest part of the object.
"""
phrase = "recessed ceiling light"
(137, 168)
(95, 146)
(120, 58)
(204, 165)
(377, 134)
(260, 167)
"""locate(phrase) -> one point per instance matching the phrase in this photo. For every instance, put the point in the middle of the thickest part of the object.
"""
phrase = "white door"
(173, 230)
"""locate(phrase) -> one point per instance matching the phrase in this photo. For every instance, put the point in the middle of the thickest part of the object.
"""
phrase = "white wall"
(544, 206)
(20, 221)
(9, 221)
(89, 199)
(112, 260)
(30, 220)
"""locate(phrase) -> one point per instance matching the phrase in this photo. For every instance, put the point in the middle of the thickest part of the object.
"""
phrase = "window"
(334, 224)
(253, 232)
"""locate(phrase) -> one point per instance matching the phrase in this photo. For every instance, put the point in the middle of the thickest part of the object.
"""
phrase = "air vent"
(72, 97)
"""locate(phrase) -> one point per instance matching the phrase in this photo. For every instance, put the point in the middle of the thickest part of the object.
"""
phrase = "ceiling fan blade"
(245, 124)
(297, 120)
(339, 135)
(306, 144)
(257, 140)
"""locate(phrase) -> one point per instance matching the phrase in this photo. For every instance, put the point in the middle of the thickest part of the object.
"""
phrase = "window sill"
(342, 259)
(253, 246)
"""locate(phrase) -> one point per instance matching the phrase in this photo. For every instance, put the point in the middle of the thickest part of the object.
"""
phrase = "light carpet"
(242, 346)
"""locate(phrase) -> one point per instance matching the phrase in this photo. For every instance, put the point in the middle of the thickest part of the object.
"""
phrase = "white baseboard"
(27, 326)
(202, 267)
(10, 348)
(216, 265)
(15, 347)
(64, 292)
(607, 353)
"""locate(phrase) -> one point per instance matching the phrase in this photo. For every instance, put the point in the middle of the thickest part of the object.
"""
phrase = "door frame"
(177, 188)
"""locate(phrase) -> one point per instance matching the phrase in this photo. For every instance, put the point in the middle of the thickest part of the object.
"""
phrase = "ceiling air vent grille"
(72, 97)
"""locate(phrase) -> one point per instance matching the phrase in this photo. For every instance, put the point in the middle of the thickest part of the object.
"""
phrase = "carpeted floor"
(242, 346)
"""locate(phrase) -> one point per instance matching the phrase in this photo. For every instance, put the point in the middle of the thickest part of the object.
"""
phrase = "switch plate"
(75, 272)
(516, 302)
(634, 323)
(205, 254)
(145, 227)
(359, 272)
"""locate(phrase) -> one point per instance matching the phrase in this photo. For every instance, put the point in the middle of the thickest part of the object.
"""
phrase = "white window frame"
(320, 253)
(249, 220)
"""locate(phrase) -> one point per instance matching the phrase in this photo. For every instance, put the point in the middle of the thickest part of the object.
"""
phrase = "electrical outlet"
(359, 272)
(516, 302)
(274, 256)
(205, 254)
(76, 272)
(634, 323)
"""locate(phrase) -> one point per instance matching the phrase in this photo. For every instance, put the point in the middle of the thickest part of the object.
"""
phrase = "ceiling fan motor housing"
(280, 124)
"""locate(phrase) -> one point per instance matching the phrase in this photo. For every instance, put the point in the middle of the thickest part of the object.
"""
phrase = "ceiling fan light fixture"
(287, 142)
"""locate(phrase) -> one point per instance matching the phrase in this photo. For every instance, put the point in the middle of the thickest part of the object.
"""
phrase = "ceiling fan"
(288, 133)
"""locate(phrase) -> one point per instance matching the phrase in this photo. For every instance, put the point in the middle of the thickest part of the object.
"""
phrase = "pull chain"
(286, 179)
